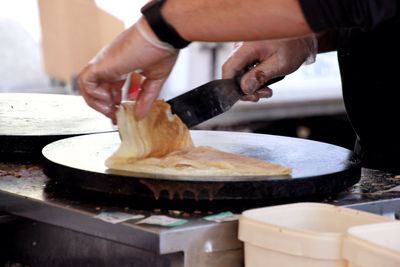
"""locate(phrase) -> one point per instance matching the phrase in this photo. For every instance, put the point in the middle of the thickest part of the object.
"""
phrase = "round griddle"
(318, 168)
(29, 121)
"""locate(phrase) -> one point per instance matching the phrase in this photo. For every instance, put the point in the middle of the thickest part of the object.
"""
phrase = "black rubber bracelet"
(164, 31)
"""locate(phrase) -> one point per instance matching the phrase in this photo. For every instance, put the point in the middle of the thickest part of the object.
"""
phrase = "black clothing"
(341, 14)
(369, 57)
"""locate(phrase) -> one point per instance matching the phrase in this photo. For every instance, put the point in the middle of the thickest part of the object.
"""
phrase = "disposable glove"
(273, 58)
(135, 49)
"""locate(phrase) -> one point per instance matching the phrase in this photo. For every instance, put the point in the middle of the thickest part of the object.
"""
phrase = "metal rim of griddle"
(272, 189)
(318, 186)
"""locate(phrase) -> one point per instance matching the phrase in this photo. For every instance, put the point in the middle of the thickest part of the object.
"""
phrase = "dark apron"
(370, 71)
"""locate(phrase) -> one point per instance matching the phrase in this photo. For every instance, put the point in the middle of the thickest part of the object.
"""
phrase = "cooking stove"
(47, 224)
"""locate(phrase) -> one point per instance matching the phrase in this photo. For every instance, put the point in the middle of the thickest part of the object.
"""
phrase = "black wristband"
(164, 31)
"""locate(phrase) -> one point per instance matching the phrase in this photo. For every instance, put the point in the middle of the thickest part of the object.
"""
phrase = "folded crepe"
(161, 144)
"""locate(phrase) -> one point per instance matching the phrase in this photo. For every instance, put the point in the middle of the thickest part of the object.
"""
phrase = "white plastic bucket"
(300, 234)
(374, 245)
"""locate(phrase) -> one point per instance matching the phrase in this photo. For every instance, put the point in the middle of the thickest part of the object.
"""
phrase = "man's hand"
(100, 82)
(274, 57)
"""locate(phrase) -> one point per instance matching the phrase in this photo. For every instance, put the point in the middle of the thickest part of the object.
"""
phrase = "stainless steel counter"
(41, 226)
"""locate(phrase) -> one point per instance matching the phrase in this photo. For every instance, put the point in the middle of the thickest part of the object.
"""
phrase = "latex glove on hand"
(136, 48)
(275, 58)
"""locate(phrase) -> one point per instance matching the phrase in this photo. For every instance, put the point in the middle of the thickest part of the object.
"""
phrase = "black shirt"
(369, 60)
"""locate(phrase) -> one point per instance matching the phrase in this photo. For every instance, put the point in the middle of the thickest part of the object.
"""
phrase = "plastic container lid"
(312, 230)
(373, 245)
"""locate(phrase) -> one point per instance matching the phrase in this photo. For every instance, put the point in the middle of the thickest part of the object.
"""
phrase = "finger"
(90, 100)
(84, 86)
(250, 98)
(101, 92)
(89, 85)
(103, 104)
(264, 92)
(148, 94)
(99, 105)
(255, 78)
(102, 97)
(107, 109)
(116, 92)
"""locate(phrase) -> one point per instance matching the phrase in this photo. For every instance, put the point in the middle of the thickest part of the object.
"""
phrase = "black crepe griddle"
(318, 168)
(29, 121)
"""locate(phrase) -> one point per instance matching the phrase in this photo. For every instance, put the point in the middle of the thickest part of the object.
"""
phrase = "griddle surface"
(29, 121)
(318, 168)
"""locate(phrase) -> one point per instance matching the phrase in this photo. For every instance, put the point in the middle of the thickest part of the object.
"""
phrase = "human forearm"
(235, 20)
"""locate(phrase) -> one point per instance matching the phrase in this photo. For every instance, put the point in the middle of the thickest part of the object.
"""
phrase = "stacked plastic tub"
(373, 245)
(317, 235)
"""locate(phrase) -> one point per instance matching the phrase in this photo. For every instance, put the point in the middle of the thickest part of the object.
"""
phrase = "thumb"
(148, 94)
(236, 62)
